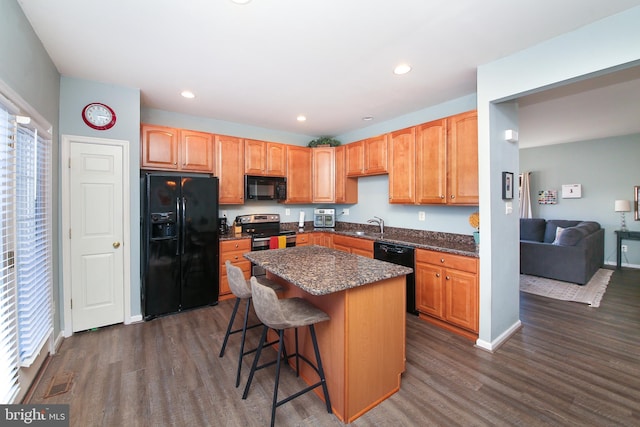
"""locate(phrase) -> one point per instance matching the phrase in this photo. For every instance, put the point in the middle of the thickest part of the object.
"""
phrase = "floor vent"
(59, 384)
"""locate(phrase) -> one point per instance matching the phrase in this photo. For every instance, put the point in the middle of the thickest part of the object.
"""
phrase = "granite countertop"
(458, 244)
(320, 271)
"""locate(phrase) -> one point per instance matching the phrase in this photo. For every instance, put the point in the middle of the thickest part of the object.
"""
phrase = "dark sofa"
(574, 256)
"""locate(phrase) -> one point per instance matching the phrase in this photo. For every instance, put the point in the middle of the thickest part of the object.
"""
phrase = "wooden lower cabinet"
(353, 245)
(323, 239)
(447, 291)
(304, 239)
(233, 250)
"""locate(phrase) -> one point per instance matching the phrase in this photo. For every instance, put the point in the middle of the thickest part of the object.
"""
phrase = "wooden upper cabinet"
(299, 174)
(462, 159)
(367, 157)
(230, 169)
(165, 148)
(402, 166)
(159, 147)
(265, 158)
(276, 159)
(346, 188)
(196, 151)
(355, 158)
(324, 174)
(431, 163)
(375, 155)
(255, 157)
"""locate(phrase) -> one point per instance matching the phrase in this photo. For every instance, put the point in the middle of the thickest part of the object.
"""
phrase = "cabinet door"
(346, 188)
(462, 155)
(324, 175)
(298, 174)
(230, 168)
(375, 155)
(461, 296)
(255, 160)
(276, 159)
(196, 151)
(159, 147)
(431, 162)
(402, 166)
(429, 289)
(355, 158)
(323, 239)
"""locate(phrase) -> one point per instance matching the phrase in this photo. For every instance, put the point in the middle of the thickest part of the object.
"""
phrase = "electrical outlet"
(623, 248)
(345, 212)
(223, 213)
(422, 216)
(287, 212)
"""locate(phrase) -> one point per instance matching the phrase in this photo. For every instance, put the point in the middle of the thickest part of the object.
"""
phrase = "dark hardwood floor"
(569, 365)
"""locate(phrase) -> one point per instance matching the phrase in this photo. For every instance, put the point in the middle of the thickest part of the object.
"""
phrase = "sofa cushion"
(571, 236)
(532, 229)
(589, 226)
(552, 224)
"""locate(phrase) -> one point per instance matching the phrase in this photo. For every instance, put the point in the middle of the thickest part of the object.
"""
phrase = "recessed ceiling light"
(301, 118)
(367, 118)
(188, 94)
(241, 1)
(402, 69)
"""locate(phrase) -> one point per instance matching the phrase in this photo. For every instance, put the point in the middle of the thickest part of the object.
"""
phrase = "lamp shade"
(623, 206)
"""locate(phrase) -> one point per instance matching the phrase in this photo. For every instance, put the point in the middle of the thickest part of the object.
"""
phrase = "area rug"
(591, 293)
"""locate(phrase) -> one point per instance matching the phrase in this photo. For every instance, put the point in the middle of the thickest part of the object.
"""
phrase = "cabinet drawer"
(303, 239)
(457, 262)
(235, 245)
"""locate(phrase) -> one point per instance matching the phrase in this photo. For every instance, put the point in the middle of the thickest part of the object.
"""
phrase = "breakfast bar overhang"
(363, 345)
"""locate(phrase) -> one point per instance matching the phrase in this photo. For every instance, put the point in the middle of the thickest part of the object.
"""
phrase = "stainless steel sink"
(360, 233)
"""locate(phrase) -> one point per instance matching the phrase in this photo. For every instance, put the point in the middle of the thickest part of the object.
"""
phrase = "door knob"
(116, 245)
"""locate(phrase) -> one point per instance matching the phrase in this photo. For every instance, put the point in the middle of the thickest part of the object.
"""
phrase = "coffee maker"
(223, 226)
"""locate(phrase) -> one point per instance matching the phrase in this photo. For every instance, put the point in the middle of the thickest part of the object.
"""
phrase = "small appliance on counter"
(223, 225)
(324, 218)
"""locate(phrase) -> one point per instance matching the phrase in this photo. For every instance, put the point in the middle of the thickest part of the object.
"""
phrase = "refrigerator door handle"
(178, 235)
(184, 223)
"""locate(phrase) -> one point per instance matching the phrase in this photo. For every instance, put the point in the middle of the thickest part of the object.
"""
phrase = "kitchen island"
(363, 345)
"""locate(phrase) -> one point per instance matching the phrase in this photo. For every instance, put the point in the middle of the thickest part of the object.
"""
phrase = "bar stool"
(241, 288)
(281, 314)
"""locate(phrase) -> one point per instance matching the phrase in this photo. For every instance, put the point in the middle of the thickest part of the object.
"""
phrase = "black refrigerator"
(179, 242)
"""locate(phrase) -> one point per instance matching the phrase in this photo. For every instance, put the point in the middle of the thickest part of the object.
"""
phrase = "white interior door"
(96, 220)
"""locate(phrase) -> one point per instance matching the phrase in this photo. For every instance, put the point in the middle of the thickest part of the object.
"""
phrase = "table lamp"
(623, 206)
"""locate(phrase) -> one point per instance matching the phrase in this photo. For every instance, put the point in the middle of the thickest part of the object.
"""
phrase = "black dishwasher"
(401, 255)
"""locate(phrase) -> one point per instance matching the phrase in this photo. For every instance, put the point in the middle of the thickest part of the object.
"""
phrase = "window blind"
(9, 384)
(33, 239)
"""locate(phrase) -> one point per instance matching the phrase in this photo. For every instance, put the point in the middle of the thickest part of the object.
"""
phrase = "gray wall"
(607, 170)
(74, 95)
(26, 68)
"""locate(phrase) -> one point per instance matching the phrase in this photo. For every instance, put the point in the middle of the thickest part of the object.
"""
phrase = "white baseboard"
(133, 319)
(57, 342)
(613, 264)
(495, 344)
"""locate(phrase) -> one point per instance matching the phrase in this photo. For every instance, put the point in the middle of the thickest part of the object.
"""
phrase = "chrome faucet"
(378, 221)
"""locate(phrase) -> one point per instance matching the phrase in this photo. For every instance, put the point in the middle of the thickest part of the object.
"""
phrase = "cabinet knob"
(442, 197)
(437, 274)
(442, 260)
(175, 163)
(448, 278)
(236, 258)
(453, 196)
(236, 245)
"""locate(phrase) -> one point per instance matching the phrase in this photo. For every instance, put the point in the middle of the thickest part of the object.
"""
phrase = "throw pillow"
(572, 236)
(559, 231)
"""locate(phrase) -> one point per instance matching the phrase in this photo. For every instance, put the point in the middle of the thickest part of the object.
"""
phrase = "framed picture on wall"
(507, 185)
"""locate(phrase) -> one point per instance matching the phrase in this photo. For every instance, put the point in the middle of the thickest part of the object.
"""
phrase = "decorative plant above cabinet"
(324, 140)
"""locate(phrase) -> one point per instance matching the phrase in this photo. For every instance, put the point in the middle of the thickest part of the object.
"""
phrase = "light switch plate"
(287, 212)
(345, 212)
(422, 216)
(508, 208)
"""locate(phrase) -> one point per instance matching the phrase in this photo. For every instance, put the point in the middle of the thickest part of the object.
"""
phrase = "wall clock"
(98, 116)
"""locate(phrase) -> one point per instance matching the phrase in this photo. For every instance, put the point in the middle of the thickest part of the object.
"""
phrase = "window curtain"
(525, 195)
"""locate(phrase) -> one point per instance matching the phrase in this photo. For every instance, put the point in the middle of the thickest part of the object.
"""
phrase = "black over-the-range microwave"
(265, 188)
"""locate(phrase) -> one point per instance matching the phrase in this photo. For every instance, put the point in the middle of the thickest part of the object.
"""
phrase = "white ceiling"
(266, 62)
